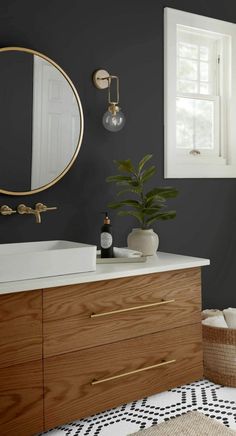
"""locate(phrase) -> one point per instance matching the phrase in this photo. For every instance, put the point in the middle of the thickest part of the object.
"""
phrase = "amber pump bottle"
(106, 238)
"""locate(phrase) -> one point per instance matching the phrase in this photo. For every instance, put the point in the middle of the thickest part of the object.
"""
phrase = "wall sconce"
(113, 119)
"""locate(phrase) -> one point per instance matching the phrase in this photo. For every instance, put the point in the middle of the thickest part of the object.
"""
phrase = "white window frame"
(184, 165)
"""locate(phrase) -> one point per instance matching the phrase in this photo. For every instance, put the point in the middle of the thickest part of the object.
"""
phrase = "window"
(199, 96)
(197, 100)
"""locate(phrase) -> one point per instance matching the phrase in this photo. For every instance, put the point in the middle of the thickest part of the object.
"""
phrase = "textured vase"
(146, 241)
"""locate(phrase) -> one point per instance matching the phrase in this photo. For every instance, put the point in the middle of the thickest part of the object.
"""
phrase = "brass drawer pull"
(103, 380)
(160, 303)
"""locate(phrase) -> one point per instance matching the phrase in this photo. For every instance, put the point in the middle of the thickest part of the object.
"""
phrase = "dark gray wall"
(127, 39)
(16, 97)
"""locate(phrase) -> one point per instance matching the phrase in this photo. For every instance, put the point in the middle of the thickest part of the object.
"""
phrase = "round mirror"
(41, 122)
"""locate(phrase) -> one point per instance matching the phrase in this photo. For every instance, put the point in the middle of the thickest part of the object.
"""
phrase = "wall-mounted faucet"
(22, 209)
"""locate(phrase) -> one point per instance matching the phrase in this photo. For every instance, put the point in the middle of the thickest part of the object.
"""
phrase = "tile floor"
(213, 400)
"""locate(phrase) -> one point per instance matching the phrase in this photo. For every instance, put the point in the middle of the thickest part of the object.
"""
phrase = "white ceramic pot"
(146, 241)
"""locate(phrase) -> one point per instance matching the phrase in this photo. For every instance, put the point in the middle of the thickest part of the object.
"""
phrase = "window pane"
(188, 50)
(187, 69)
(204, 88)
(204, 114)
(204, 71)
(184, 123)
(194, 123)
(196, 61)
(204, 53)
(187, 86)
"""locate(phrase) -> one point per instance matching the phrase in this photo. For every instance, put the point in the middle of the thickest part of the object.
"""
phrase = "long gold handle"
(160, 303)
(136, 371)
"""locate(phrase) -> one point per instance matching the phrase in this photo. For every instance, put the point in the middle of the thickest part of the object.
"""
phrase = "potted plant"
(147, 207)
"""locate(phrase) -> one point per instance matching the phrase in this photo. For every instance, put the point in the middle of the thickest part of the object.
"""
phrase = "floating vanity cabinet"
(87, 342)
(21, 365)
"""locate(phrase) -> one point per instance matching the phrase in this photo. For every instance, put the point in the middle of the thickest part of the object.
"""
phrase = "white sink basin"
(30, 260)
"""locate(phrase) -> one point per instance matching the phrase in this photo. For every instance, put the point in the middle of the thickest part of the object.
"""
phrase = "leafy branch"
(146, 207)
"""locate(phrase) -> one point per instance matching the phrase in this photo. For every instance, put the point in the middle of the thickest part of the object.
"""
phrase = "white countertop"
(158, 263)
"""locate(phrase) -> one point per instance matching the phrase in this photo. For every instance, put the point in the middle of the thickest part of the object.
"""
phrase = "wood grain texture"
(68, 326)
(69, 394)
(20, 327)
(21, 399)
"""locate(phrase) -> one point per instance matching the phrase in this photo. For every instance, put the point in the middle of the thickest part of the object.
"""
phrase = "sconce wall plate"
(100, 79)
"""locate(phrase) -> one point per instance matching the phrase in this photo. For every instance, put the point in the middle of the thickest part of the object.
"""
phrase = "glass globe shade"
(113, 122)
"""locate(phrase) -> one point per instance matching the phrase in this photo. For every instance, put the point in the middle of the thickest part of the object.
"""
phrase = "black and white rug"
(214, 401)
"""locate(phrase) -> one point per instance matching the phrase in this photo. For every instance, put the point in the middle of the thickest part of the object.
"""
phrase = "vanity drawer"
(20, 327)
(70, 394)
(157, 302)
(21, 399)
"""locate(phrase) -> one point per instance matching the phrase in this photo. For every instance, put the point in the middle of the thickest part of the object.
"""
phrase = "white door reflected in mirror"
(200, 96)
(56, 123)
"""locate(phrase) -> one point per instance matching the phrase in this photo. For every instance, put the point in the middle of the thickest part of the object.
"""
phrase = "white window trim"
(200, 166)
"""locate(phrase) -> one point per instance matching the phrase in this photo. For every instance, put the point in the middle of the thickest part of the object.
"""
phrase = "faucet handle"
(22, 209)
(6, 210)
(40, 207)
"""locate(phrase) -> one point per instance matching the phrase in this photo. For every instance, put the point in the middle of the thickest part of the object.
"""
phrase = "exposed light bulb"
(113, 120)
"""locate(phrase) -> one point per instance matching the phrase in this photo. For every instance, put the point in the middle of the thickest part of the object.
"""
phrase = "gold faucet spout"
(22, 209)
(38, 217)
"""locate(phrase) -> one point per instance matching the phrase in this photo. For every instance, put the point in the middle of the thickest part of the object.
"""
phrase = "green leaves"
(148, 174)
(116, 205)
(143, 161)
(164, 192)
(151, 210)
(161, 216)
(160, 194)
(139, 216)
(118, 179)
(145, 207)
(135, 190)
(124, 165)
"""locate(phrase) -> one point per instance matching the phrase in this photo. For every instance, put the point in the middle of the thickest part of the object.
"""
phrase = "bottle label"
(106, 240)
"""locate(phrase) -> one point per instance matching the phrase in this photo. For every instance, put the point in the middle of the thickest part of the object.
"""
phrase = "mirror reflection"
(40, 120)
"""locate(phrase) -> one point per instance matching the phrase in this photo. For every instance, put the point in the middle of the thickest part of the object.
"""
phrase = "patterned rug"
(188, 424)
(214, 401)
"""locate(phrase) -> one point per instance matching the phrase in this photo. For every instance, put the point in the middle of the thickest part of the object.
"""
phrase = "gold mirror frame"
(48, 185)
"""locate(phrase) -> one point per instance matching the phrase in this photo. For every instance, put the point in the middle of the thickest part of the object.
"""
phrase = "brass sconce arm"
(100, 76)
(39, 208)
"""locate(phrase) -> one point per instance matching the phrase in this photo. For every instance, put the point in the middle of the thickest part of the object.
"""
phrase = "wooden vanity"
(79, 344)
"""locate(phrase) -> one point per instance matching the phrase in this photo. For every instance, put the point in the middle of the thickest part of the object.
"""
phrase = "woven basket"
(219, 355)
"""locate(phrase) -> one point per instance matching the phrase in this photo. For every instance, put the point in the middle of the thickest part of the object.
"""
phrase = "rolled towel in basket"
(215, 321)
(230, 317)
(126, 252)
(211, 312)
